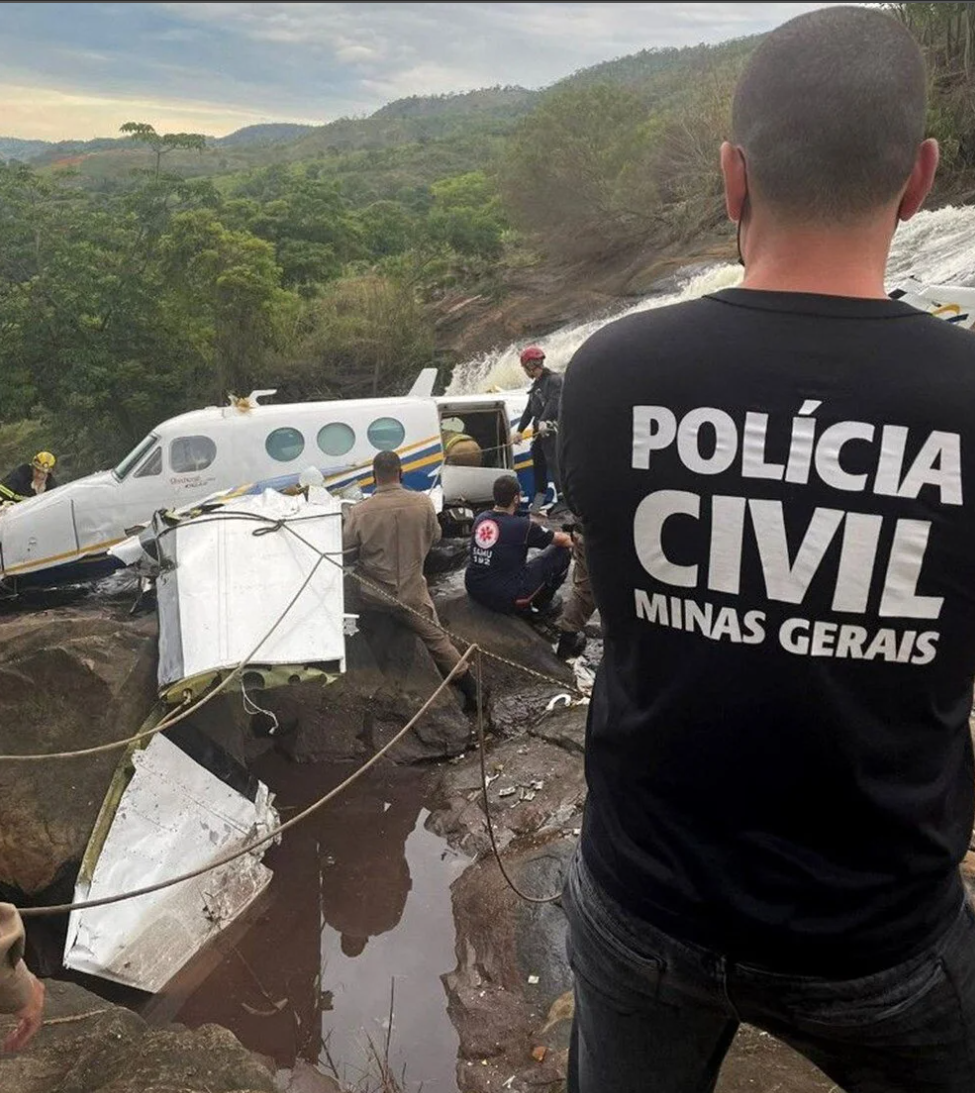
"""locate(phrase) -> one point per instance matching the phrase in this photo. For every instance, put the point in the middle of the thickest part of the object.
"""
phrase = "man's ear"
(921, 180)
(735, 180)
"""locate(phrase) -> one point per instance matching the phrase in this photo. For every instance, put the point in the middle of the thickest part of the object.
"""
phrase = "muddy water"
(359, 905)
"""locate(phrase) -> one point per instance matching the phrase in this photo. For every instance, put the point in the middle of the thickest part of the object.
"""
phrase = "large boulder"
(389, 676)
(88, 1045)
(518, 661)
(505, 638)
(70, 678)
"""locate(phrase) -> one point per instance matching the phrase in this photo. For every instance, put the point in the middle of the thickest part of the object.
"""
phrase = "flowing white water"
(935, 247)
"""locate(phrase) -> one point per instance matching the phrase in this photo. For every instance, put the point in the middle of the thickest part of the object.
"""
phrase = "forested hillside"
(162, 271)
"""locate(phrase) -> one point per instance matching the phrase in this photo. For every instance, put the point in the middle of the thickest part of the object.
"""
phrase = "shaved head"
(830, 112)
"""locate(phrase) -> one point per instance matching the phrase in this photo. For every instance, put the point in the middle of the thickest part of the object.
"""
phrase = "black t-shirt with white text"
(778, 495)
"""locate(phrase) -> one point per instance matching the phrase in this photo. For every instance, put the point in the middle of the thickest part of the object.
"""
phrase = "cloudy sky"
(81, 70)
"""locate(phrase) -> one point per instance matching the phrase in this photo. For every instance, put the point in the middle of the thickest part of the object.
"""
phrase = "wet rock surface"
(70, 678)
(88, 1045)
(504, 635)
(536, 791)
(564, 727)
(509, 996)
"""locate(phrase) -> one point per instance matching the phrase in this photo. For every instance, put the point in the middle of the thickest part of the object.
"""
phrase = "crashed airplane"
(452, 447)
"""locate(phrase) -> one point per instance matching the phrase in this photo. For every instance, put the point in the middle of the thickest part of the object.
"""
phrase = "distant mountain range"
(654, 74)
(251, 136)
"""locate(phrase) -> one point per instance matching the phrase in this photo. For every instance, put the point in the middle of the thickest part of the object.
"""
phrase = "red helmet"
(532, 353)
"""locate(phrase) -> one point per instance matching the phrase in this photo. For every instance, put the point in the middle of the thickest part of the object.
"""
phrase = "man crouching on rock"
(499, 575)
(21, 992)
(778, 753)
(388, 537)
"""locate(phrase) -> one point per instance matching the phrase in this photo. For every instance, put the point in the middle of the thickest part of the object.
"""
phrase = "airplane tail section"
(423, 384)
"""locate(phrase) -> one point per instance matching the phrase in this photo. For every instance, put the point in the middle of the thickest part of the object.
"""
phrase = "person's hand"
(517, 436)
(543, 428)
(563, 539)
(29, 1019)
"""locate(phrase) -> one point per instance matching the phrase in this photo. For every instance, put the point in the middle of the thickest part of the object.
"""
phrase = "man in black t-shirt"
(777, 486)
(542, 413)
(499, 575)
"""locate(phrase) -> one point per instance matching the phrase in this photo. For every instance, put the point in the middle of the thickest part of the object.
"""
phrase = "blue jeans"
(655, 1015)
(543, 576)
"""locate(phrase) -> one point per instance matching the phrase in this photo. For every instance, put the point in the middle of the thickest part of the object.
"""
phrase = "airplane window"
(336, 438)
(284, 444)
(134, 456)
(191, 453)
(152, 466)
(386, 433)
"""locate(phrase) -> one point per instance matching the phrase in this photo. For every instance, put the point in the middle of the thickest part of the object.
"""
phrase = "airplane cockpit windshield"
(134, 456)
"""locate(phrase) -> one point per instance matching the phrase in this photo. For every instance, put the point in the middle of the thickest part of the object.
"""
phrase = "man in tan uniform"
(21, 992)
(580, 606)
(388, 536)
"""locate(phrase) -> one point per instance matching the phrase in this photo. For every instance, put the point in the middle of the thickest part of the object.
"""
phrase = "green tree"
(573, 173)
(366, 336)
(467, 215)
(162, 144)
(227, 286)
(312, 229)
(386, 228)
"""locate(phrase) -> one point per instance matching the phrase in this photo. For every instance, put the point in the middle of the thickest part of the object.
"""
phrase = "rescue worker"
(21, 992)
(498, 575)
(580, 606)
(388, 536)
(29, 479)
(542, 412)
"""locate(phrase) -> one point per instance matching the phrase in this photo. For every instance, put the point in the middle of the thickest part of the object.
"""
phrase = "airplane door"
(477, 450)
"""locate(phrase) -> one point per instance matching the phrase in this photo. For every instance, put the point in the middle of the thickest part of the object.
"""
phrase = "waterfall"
(936, 247)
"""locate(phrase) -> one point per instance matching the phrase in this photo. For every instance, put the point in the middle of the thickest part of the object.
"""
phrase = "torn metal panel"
(165, 815)
(222, 588)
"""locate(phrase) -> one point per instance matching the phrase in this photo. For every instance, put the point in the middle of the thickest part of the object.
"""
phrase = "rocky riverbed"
(390, 903)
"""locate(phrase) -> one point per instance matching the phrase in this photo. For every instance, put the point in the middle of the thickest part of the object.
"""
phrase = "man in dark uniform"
(29, 479)
(542, 412)
(499, 575)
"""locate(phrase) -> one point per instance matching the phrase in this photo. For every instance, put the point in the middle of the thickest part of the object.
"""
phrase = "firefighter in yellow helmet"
(29, 479)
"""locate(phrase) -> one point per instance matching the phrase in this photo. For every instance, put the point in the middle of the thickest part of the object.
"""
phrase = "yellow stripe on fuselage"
(96, 548)
(51, 559)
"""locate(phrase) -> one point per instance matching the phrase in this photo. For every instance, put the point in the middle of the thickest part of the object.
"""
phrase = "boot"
(548, 605)
(538, 504)
(467, 685)
(572, 643)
